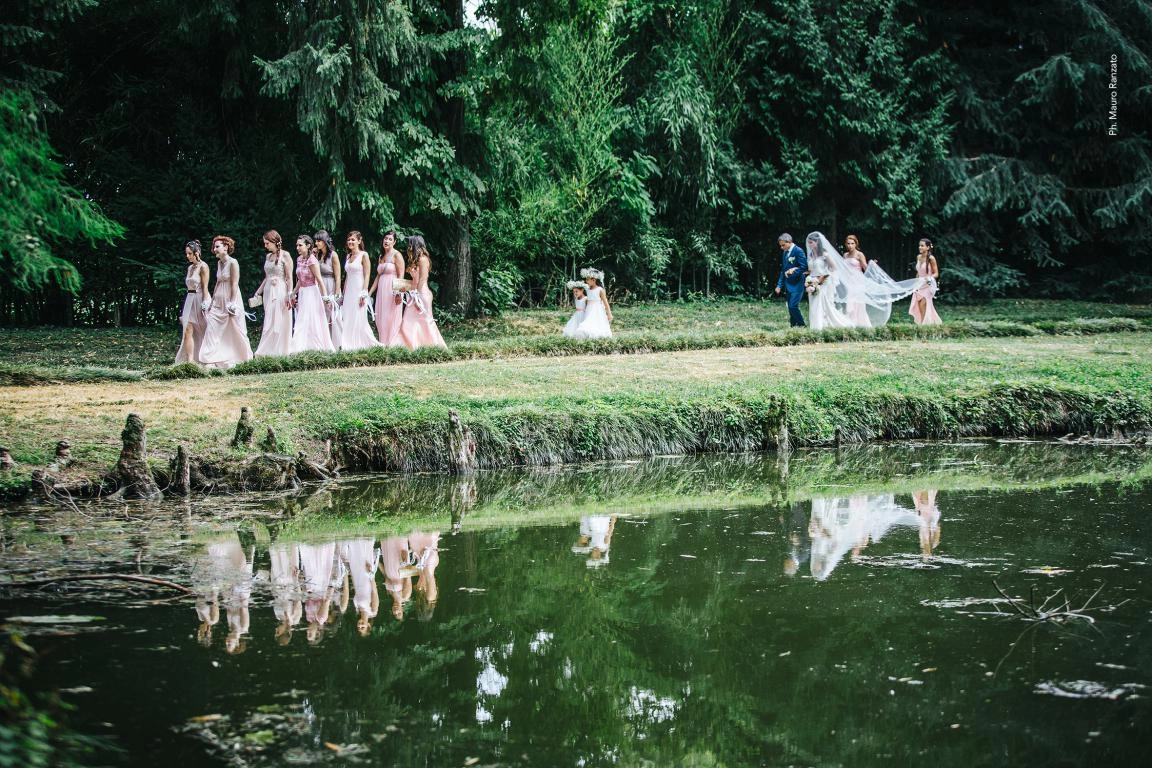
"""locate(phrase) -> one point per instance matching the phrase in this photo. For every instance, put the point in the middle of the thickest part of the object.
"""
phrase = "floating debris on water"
(1088, 689)
(1047, 570)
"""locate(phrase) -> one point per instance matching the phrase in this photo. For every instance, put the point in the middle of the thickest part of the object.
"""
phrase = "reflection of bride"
(849, 296)
(848, 524)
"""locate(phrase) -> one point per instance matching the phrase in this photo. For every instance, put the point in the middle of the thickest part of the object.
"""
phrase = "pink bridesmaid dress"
(357, 332)
(225, 335)
(329, 288)
(418, 327)
(192, 316)
(389, 310)
(927, 315)
(854, 307)
(311, 332)
(276, 338)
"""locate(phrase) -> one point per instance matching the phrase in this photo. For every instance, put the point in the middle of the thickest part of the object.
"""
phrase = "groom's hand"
(777, 290)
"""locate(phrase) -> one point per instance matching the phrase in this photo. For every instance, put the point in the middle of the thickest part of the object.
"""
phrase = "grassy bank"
(546, 410)
(32, 356)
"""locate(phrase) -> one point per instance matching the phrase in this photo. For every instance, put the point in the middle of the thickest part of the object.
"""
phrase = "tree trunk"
(132, 470)
(181, 472)
(460, 291)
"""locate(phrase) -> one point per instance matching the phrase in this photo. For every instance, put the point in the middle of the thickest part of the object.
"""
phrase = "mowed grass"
(304, 407)
(140, 349)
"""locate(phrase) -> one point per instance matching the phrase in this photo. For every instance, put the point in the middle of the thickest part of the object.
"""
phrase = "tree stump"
(270, 444)
(461, 446)
(181, 472)
(244, 429)
(783, 439)
(6, 461)
(132, 471)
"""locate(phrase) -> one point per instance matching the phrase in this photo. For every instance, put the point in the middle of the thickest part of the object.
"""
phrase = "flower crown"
(591, 272)
(574, 284)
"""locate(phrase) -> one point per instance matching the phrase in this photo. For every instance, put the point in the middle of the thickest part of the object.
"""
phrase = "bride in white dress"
(597, 314)
(826, 275)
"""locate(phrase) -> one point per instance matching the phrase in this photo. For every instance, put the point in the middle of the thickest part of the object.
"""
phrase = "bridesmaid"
(856, 261)
(922, 310)
(389, 310)
(195, 300)
(418, 328)
(225, 333)
(311, 331)
(357, 332)
(276, 290)
(329, 261)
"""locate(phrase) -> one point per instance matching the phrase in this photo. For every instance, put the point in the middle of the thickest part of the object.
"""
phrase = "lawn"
(304, 406)
(140, 349)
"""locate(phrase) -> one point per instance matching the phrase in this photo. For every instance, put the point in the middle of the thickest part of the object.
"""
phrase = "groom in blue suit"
(793, 267)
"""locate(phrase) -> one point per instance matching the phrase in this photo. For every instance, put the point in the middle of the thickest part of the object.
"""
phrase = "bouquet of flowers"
(812, 285)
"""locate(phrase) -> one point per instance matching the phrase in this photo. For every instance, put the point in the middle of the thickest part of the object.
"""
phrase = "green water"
(834, 610)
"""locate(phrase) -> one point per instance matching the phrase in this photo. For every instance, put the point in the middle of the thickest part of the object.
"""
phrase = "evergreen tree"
(853, 109)
(363, 78)
(39, 210)
(1036, 181)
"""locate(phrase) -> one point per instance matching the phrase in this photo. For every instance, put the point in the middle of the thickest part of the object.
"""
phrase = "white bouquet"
(205, 305)
(812, 285)
(232, 308)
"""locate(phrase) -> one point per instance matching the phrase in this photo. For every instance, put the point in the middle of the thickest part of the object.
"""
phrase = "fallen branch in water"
(97, 576)
(1061, 611)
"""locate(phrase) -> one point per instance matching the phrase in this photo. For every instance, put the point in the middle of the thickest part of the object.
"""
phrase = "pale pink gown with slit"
(924, 313)
(192, 316)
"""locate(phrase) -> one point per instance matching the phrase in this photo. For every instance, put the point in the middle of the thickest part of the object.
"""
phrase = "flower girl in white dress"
(579, 301)
(597, 313)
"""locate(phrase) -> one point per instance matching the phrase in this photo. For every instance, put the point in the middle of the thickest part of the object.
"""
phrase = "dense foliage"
(667, 142)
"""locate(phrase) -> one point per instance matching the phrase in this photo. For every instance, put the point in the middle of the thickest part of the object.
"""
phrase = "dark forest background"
(666, 142)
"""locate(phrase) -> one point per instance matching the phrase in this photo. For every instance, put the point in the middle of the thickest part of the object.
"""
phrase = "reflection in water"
(222, 575)
(842, 524)
(595, 539)
(287, 592)
(691, 648)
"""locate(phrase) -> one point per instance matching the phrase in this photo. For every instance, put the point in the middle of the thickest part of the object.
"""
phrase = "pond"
(965, 604)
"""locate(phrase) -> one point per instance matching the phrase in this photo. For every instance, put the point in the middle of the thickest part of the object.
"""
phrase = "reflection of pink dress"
(924, 293)
(225, 335)
(418, 327)
(192, 315)
(389, 310)
(357, 332)
(276, 338)
(311, 332)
